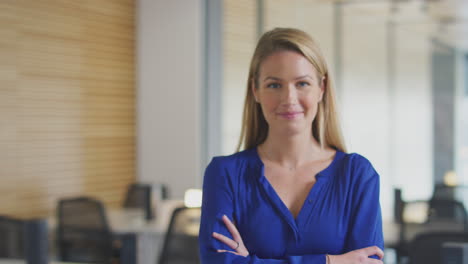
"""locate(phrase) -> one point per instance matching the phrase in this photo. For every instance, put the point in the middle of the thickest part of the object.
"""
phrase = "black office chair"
(83, 234)
(11, 238)
(139, 196)
(181, 240)
(444, 192)
(426, 248)
(448, 210)
(436, 215)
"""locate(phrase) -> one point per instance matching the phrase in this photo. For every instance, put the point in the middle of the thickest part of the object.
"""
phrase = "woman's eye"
(303, 84)
(273, 85)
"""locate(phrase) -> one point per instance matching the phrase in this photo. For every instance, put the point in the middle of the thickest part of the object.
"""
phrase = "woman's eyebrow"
(272, 78)
(303, 77)
(279, 79)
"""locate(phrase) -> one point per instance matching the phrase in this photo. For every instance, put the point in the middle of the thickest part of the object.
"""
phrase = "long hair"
(325, 127)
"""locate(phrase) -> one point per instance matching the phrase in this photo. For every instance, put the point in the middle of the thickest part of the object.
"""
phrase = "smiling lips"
(290, 115)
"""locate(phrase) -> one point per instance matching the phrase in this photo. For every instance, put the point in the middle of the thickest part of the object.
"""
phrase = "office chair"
(442, 191)
(11, 238)
(426, 248)
(181, 240)
(435, 215)
(139, 196)
(83, 234)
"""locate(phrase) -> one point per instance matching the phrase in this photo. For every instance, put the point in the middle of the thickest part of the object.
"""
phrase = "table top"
(133, 220)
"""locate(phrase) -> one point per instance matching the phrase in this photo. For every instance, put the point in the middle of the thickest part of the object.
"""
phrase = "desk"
(149, 234)
(133, 220)
(391, 230)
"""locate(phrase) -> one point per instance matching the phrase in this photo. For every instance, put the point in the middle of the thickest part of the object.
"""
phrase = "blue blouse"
(341, 212)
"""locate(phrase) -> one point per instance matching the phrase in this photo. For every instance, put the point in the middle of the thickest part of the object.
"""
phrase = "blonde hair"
(325, 127)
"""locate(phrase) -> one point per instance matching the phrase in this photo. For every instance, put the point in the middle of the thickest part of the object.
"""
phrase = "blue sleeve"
(218, 199)
(365, 228)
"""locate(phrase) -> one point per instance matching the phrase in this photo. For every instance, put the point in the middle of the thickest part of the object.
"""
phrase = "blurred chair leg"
(36, 241)
(128, 251)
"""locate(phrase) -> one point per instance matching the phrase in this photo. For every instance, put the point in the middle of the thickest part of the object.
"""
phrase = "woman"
(293, 195)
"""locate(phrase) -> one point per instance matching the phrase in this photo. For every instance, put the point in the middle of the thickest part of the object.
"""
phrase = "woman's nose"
(290, 94)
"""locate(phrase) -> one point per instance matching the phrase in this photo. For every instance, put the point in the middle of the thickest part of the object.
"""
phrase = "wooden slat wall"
(239, 40)
(67, 102)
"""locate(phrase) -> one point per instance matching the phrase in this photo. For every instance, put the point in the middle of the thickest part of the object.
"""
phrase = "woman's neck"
(290, 152)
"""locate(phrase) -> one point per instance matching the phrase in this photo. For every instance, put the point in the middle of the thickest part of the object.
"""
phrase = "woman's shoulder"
(357, 159)
(359, 166)
(232, 168)
(236, 160)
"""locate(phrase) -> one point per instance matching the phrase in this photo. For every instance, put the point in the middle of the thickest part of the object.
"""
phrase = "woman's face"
(288, 91)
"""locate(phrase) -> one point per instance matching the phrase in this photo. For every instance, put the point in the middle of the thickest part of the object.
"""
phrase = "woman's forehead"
(287, 64)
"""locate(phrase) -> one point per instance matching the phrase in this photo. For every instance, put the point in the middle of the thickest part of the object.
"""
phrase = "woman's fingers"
(232, 228)
(374, 261)
(374, 250)
(227, 251)
(226, 240)
(236, 242)
(360, 256)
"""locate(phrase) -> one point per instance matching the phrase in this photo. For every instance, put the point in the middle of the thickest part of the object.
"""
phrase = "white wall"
(387, 114)
(413, 120)
(169, 74)
(364, 96)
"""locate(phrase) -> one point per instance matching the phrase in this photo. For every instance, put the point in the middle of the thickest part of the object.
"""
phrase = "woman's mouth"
(290, 115)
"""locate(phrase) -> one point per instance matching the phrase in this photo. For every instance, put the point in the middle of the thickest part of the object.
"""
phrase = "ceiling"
(444, 20)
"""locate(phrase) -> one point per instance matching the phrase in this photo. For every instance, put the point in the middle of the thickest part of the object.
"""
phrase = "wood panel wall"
(239, 41)
(67, 102)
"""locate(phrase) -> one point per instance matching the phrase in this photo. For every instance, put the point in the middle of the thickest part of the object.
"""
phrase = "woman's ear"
(323, 85)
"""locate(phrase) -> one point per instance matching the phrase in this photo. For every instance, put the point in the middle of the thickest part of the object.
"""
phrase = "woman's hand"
(236, 243)
(359, 256)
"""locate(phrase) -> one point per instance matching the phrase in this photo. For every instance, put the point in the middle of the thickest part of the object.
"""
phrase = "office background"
(97, 94)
